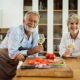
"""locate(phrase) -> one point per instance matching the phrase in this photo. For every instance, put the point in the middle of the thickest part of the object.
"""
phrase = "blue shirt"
(16, 38)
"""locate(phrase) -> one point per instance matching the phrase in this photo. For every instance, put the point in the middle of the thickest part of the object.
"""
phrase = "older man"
(18, 41)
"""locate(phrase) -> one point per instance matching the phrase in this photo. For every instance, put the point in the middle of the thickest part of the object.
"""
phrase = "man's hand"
(19, 57)
(37, 49)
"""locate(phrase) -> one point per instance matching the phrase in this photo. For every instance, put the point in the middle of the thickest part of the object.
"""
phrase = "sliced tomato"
(44, 62)
(31, 62)
(38, 59)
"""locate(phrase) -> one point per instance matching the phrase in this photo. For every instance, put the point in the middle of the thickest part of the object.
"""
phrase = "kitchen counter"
(73, 63)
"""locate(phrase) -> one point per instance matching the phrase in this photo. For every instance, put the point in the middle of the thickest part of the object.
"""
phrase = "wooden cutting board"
(55, 71)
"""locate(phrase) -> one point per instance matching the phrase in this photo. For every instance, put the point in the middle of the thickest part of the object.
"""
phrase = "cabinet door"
(27, 6)
(42, 28)
(61, 13)
(53, 19)
(42, 9)
(57, 27)
(73, 6)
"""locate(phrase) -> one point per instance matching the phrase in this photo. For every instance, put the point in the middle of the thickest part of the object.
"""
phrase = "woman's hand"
(67, 53)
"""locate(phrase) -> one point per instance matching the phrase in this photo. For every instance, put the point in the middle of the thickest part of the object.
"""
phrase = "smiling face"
(73, 25)
(31, 21)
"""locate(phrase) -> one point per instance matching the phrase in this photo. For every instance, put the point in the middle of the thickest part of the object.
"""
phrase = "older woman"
(70, 43)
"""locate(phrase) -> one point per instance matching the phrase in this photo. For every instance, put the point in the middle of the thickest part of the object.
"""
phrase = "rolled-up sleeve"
(13, 43)
(62, 47)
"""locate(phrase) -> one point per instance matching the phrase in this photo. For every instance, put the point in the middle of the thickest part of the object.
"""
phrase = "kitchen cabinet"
(27, 6)
(42, 27)
(53, 19)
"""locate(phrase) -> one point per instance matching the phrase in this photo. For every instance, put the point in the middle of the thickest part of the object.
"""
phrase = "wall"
(1, 14)
(12, 13)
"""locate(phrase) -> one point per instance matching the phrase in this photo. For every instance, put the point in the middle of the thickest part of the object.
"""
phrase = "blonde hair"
(31, 13)
(73, 17)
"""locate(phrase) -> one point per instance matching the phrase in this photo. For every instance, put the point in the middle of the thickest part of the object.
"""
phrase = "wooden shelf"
(73, 10)
(57, 10)
(57, 24)
(58, 38)
(42, 24)
(43, 10)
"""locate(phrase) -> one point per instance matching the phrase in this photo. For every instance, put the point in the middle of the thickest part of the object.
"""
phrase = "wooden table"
(74, 64)
(3, 32)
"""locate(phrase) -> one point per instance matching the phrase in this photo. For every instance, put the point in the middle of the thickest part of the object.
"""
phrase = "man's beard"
(27, 28)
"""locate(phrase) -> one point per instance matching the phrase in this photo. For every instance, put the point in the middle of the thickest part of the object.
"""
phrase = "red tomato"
(47, 56)
(50, 56)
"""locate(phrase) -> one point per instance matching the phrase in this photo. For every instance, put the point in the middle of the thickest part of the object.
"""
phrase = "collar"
(78, 36)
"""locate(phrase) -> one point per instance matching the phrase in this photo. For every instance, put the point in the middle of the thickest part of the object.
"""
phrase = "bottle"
(41, 6)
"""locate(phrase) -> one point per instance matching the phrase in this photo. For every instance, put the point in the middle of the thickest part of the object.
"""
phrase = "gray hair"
(73, 17)
(31, 13)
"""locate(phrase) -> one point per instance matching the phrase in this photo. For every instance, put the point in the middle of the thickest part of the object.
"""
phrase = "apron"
(7, 66)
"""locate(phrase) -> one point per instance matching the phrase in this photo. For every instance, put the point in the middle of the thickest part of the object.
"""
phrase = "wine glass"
(71, 46)
(41, 39)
